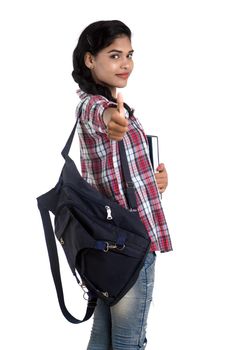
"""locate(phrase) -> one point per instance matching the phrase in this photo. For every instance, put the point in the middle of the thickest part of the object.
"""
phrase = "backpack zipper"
(108, 210)
(107, 207)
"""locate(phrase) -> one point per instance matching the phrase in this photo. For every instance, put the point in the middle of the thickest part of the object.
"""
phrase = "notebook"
(153, 150)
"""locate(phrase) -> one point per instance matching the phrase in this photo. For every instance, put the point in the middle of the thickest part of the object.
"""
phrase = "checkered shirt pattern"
(101, 168)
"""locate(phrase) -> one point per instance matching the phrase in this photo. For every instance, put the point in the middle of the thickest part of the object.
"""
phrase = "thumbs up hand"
(115, 120)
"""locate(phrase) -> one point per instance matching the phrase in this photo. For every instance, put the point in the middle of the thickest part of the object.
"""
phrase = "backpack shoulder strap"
(54, 260)
(67, 147)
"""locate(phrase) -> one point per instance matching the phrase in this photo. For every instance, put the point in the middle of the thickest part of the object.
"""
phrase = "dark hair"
(93, 39)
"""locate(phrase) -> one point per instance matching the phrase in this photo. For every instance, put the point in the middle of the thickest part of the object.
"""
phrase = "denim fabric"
(123, 326)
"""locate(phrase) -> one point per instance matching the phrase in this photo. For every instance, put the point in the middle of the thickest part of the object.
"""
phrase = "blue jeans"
(123, 326)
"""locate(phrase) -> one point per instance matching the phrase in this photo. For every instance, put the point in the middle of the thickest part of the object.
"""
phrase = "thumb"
(160, 167)
(120, 105)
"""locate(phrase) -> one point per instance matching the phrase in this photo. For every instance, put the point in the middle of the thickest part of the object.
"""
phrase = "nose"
(125, 64)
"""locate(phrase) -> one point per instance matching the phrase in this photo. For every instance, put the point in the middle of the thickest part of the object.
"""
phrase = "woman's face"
(113, 65)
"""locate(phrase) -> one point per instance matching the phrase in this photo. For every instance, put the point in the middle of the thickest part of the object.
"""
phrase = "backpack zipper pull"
(108, 210)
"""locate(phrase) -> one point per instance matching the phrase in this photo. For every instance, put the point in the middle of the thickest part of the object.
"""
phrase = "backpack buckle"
(85, 291)
(113, 246)
(109, 246)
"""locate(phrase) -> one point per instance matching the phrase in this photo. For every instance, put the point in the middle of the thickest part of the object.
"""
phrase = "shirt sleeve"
(92, 113)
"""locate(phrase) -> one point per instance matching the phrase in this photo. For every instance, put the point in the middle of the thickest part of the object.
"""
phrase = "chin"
(121, 85)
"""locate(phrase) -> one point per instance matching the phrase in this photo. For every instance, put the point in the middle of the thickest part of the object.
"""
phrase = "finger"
(161, 184)
(120, 105)
(161, 180)
(115, 137)
(118, 120)
(161, 176)
(161, 190)
(160, 167)
(115, 133)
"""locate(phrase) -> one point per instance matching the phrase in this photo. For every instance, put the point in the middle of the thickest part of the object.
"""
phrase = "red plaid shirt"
(100, 166)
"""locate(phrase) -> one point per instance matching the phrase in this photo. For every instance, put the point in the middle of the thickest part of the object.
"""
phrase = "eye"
(130, 55)
(115, 56)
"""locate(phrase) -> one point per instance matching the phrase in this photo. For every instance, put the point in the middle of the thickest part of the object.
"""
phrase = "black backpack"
(104, 243)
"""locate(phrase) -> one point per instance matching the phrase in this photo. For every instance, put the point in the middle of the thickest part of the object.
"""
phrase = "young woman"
(103, 62)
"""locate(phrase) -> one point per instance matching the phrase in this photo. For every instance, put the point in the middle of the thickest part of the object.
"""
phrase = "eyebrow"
(131, 51)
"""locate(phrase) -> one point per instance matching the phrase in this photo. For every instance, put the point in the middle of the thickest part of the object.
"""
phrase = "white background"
(182, 90)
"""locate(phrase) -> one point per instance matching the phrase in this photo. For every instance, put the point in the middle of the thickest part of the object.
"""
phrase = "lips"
(123, 75)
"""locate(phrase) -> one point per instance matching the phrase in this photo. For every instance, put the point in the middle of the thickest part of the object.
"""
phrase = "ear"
(89, 60)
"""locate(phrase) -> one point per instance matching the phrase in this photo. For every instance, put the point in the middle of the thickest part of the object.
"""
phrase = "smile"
(123, 75)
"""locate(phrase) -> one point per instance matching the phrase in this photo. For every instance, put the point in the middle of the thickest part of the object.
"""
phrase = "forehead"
(121, 43)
